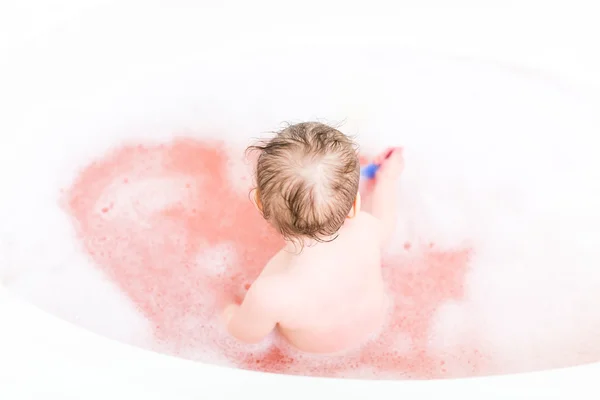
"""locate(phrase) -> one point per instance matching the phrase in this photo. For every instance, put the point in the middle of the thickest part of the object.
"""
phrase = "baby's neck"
(295, 247)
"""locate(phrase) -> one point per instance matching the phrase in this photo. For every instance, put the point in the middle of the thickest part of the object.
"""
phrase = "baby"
(324, 290)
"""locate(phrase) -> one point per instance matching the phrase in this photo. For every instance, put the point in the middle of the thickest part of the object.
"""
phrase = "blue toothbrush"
(369, 171)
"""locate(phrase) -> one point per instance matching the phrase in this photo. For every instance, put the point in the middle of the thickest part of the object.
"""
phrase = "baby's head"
(307, 180)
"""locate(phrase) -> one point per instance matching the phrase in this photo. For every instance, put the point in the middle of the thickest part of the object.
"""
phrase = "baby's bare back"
(331, 295)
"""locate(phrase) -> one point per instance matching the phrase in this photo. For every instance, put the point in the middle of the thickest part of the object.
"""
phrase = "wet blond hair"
(307, 179)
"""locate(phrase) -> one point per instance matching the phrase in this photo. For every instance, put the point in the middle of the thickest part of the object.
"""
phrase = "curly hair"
(307, 180)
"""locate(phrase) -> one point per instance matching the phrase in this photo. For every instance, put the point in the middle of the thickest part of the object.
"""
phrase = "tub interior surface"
(496, 251)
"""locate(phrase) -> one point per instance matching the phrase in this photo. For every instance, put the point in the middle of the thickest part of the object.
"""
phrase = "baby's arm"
(384, 195)
(255, 318)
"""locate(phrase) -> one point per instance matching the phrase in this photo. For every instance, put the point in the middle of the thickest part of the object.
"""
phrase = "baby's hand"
(392, 164)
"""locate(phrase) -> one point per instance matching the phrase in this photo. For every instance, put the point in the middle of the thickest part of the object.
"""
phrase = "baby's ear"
(356, 207)
(255, 198)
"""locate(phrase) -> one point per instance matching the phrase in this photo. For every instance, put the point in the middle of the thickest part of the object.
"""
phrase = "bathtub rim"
(71, 353)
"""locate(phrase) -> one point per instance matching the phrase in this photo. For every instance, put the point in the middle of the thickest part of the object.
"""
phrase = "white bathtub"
(62, 359)
(129, 73)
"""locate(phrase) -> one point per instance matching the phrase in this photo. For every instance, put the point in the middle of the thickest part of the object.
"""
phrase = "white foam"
(214, 260)
(493, 159)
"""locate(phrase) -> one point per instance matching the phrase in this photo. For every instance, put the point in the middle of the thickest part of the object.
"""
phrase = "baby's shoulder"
(366, 225)
(364, 220)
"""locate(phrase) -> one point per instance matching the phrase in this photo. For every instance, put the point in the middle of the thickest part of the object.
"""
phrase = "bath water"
(126, 206)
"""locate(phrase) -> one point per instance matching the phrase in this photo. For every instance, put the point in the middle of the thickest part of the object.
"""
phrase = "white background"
(556, 37)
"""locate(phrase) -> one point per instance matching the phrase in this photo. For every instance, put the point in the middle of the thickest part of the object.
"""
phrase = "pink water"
(166, 225)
